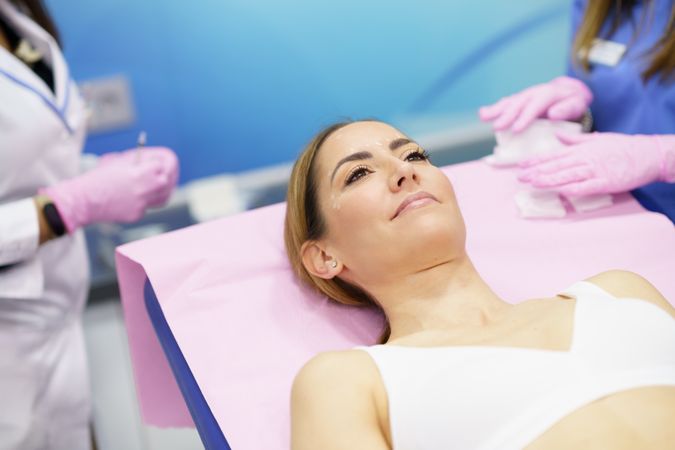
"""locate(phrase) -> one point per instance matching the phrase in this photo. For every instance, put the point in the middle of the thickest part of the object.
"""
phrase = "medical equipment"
(537, 141)
(539, 138)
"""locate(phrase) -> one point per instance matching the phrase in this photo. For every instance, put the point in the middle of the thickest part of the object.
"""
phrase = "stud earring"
(333, 264)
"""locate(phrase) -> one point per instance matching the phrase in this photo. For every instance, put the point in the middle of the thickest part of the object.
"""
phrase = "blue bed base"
(207, 426)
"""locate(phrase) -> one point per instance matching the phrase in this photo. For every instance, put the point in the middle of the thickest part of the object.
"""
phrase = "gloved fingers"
(549, 167)
(148, 168)
(511, 112)
(158, 163)
(159, 198)
(160, 182)
(171, 167)
(490, 112)
(568, 138)
(125, 209)
(156, 185)
(173, 177)
(563, 177)
(572, 107)
(544, 157)
(140, 178)
(533, 109)
(575, 87)
(582, 188)
(167, 179)
(166, 160)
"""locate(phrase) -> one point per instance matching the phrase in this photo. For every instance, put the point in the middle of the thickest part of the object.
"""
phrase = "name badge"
(607, 53)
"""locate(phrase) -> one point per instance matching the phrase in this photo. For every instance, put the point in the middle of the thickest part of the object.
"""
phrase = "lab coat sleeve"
(19, 231)
(21, 273)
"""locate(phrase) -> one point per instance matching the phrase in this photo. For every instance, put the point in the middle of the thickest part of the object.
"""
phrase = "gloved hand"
(602, 163)
(563, 98)
(118, 189)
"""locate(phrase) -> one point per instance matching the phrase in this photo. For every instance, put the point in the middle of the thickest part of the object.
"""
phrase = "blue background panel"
(235, 84)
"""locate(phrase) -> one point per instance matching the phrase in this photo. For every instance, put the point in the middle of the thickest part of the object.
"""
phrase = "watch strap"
(53, 219)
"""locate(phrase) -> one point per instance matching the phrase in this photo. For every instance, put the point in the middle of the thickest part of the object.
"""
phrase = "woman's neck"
(448, 297)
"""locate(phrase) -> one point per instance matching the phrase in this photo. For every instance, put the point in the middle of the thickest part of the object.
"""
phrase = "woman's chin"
(433, 233)
(430, 218)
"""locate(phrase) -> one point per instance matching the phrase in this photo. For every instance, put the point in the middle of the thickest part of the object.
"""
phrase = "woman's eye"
(417, 155)
(357, 174)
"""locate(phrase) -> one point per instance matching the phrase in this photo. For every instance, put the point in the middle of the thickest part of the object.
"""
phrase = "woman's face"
(388, 210)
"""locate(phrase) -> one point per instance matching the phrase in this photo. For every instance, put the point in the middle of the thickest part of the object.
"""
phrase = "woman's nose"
(404, 173)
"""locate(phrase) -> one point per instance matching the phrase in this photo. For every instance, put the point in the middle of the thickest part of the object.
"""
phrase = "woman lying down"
(371, 221)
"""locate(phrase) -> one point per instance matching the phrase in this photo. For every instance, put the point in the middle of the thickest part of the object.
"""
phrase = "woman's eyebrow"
(396, 143)
(353, 157)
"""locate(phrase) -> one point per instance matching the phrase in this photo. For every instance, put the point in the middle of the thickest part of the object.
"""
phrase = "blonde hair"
(662, 54)
(304, 222)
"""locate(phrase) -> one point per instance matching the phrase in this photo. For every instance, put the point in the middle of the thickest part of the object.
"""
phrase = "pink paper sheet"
(245, 327)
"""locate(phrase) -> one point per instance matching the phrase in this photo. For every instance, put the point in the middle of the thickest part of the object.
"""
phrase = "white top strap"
(586, 287)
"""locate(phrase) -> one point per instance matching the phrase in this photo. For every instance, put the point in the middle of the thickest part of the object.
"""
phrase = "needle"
(142, 136)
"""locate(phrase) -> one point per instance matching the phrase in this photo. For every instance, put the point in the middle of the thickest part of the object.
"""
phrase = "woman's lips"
(414, 201)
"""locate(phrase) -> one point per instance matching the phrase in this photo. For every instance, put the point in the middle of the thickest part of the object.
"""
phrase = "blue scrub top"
(621, 101)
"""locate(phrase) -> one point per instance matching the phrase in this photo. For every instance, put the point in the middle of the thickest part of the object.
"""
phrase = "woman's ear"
(318, 262)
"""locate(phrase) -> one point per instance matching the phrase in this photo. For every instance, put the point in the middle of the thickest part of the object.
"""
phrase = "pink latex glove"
(163, 156)
(563, 98)
(118, 189)
(602, 163)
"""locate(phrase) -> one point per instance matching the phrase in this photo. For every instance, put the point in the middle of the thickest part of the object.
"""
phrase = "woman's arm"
(333, 406)
(622, 283)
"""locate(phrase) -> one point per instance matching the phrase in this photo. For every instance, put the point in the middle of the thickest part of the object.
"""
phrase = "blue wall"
(238, 84)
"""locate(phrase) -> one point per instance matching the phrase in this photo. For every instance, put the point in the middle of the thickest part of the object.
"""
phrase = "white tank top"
(469, 397)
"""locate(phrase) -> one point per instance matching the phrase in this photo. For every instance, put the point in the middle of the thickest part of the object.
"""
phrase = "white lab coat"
(44, 388)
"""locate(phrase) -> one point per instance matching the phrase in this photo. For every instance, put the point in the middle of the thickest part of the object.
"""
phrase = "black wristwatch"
(587, 121)
(53, 219)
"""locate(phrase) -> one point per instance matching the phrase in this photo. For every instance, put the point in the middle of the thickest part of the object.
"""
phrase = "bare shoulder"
(347, 368)
(623, 283)
(332, 403)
